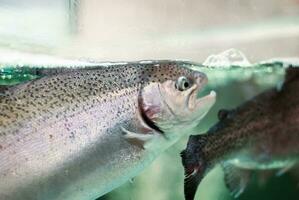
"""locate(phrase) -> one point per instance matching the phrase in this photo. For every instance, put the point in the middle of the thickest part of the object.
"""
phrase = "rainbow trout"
(79, 133)
(261, 134)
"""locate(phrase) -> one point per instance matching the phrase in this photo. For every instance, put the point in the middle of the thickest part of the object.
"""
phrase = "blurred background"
(104, 30)
(150, 29)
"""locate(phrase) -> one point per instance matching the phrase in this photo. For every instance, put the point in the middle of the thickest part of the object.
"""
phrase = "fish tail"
(194, 163)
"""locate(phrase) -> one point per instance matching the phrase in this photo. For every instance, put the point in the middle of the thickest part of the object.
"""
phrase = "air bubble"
(228, 58)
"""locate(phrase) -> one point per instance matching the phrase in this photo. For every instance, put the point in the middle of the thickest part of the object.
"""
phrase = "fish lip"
(193, 102)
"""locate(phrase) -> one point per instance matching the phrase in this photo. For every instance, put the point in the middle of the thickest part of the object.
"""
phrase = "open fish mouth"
(194, 103)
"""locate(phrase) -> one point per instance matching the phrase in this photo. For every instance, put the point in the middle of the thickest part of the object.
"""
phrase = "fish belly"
(77, 156)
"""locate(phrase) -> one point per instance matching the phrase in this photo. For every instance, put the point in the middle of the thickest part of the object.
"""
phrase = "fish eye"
(182, 83)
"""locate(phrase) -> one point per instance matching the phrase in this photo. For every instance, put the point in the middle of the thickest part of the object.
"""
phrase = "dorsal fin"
(37, 71)
(292, 74)
(19, 76)
(44, 71)
(56, 70)
(291, 78)
(3, 89)
(235, 178)
(9, 88)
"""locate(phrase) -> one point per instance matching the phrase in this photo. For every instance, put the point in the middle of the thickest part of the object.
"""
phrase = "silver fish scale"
(56, 131)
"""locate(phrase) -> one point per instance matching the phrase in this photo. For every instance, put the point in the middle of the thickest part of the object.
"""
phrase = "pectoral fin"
(139, 139)
(236, 179)
(3, 89)
(286, 168)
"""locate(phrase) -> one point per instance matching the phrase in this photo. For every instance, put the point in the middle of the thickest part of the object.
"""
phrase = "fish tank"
(235, 37)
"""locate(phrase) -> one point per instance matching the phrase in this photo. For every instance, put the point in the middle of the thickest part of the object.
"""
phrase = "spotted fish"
(78, 133)
(261, 134)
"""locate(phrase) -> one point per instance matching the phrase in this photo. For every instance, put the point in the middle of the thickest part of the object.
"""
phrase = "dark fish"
(79, 133)
(263, 133)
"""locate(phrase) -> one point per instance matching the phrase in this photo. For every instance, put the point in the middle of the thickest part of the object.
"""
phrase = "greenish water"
(12, 75)
(163, 180)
